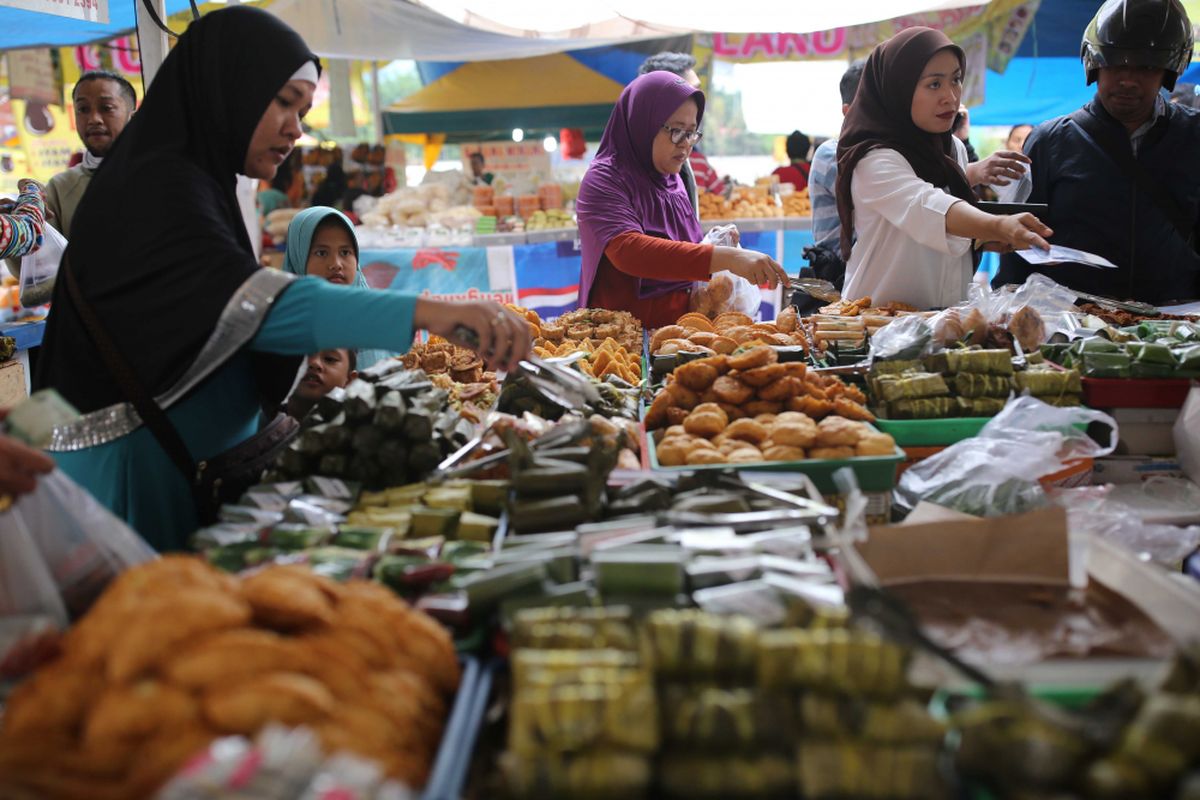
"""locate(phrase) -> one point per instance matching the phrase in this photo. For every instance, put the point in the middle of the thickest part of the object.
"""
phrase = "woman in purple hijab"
(640, 236)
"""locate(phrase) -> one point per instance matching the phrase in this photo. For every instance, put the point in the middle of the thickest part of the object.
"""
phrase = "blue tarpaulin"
(21, 29)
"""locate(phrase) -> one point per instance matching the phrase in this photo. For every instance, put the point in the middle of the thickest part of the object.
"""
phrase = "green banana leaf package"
(975, 384)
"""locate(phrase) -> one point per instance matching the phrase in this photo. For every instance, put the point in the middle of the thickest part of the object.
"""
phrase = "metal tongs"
(815, 287)
(559, 383)
(563, 434)
(1133, 307)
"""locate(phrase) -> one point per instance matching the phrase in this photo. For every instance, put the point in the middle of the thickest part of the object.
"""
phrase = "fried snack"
(706, 424)
(55, 699)
(794, 433)
(553, 333)
(723, 345)
(761, 376)
(702, 456)
(137, 710)
(230, 656)
(785, 388)
(674, 430)
(607, 330)
(783, 452)
(663, 334)
(428, 651)
(732, 412)
(676, 416)
(168, 620)
(811, 406)
(875, 444)
(681, 396)
(673, 452)
(731, 319)
(832, 453)
(656, 415)
(754, 357)
(852, 410)
(745, 455)
(761, 407)
(287, 601)
(838, 432)
(581, 331)
(285, 697)
(795, 369)
(766, 419)
(731, 390)
(343, 671)
(705, 338)
(747, 430)
(696, 375)
(787, 320)
(711, 408)
(697, 322)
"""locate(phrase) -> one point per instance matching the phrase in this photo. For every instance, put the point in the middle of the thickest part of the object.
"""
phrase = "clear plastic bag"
(996, 473)
(40, 268)
(907, 338)
(1119, 514)
(725, 291)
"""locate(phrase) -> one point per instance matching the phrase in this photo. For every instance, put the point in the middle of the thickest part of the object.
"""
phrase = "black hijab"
(881, 116)
(158, 244)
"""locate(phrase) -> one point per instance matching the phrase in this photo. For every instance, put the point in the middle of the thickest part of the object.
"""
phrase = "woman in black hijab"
(902, 194)
(164, 267)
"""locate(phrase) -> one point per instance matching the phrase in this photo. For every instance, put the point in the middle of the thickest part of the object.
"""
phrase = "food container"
(504, 205)
(931, 432)
(874, 473)
(1135, 392)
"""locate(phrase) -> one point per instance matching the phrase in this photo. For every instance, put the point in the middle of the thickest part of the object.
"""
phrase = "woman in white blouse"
(901, 186)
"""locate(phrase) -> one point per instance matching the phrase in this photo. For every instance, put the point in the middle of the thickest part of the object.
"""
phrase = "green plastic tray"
(932, 432)
(874, 473)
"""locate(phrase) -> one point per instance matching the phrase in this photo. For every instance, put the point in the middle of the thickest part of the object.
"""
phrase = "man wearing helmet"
(1121, 175)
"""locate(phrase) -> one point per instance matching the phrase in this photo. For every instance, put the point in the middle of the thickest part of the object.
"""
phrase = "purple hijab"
(622, 191)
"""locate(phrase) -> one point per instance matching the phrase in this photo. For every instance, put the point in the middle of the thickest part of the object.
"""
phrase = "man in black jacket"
(1121, 176)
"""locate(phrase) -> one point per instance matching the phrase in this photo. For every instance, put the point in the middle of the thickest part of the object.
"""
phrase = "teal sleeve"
(313, 315)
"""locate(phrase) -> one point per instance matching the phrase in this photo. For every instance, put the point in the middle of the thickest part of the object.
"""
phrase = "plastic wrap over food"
(1119, 514)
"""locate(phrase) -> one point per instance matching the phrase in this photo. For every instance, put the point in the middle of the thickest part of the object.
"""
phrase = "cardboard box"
(1135, 469)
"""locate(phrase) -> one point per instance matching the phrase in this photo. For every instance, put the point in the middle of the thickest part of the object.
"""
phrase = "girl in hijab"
(321, 242)
(638, 228)
(901, 186)
(161, 264)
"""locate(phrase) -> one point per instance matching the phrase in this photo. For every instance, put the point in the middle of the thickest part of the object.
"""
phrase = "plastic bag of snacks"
(725, 291)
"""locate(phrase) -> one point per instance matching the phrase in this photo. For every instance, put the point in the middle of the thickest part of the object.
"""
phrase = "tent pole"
(375, 102)
(152, 42)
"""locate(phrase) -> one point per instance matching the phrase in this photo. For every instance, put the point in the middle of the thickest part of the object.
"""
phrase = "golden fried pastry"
(553, 333)
(875, 444)
(731, 390)
(727, 445)
(705, 338)
(838, 432)
(794, 434)
(706, 424)
(157, 763)
(287, 601)
(795, 369)
(832, 453)
(656, 414)
(747, 430)
(732, 412)
(697, 322)
(607, 330)
(731, 319)
(766, 419)
(674, 430)
(851, 392)
(673, 452)
(723, 345)
(663, 334)
(288, 698)
(711, 408)
(785, 388)
(814, 407)
(673, 346)
(343, 671)
(165, 622)
(229, 656)
(56, 698)
(139, 709)
(681, 396)
(787, 320)
(753, 409)
(676, 416)
(852, 410)
(580, 332)
(696, 375)
(702, 456)
(745, 455)
(754, 357)
(783, 452)
(761, 376)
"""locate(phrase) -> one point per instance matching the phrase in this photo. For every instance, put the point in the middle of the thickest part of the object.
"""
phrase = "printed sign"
(509, 158)
(89, 10)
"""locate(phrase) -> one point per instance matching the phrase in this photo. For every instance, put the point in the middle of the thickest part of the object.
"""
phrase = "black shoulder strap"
(120, 370)
(1122, 155)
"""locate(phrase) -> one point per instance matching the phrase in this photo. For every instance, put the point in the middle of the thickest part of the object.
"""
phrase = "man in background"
(479, 173)
(797, 169)
(697, 173)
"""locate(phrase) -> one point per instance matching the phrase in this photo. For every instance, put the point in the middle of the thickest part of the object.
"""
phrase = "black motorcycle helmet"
(1141, 33)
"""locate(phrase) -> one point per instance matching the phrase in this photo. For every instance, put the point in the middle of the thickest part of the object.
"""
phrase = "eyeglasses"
(679, 135)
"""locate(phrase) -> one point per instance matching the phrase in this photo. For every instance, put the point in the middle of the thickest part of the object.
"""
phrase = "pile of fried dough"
(730, 331)
(175, 654)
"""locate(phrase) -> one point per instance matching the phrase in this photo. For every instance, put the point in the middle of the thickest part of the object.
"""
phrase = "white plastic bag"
(40, 268)
(725, 291)
(1186, 433)
(996, 473)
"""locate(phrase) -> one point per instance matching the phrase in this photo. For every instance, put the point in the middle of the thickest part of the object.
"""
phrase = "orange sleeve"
(645, 256)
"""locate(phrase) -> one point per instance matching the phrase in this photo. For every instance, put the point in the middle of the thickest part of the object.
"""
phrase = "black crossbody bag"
(214, 481)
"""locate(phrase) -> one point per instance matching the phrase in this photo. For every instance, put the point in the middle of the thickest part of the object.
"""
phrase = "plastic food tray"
(1135, 392)
(453, 755)
(932, 432)
(874, 473)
